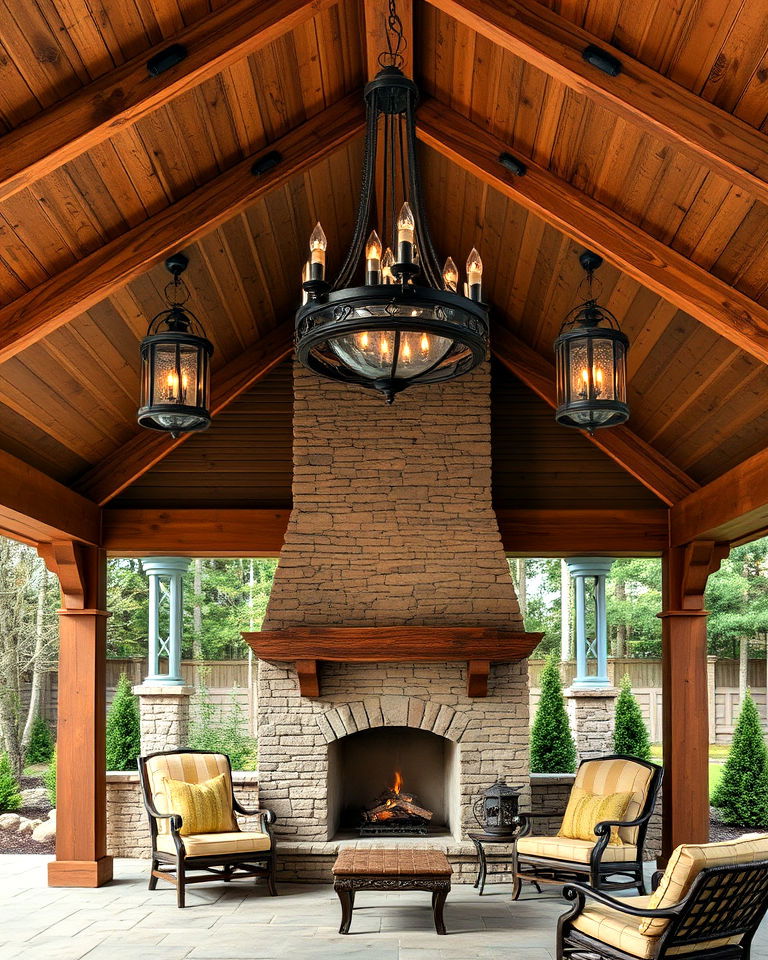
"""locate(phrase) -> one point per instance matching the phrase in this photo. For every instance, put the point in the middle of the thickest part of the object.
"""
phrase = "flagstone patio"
(124, 920)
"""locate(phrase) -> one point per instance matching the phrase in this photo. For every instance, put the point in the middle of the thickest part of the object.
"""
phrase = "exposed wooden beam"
(683, 283)
(67, 294)
(36, 508)
(123, 96)
(562, 533)
(651, 468)
(375, 16)
(711, 136)
(733, 508)
(130, 461)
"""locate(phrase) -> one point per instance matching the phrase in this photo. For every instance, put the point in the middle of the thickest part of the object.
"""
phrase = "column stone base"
(592, 719)
(164, 713)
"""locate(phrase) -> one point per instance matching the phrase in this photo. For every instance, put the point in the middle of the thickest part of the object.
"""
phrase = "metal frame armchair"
(240, 854)
(606, 866)
(716, 920)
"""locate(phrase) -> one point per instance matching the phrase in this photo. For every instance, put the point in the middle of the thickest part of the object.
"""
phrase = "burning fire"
(396, 805)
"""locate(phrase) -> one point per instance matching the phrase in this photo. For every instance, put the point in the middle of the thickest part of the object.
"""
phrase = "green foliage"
(552, 746)
(630, 735)
(40, 747)
(225, 731)
(741, 796)
(49, 778)
(737, 598)
(10, 798)
(123, 728)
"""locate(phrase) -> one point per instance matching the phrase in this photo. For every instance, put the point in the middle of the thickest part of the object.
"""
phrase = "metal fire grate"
(409, 828)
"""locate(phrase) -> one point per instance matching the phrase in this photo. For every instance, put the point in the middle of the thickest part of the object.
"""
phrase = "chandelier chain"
(396, 42)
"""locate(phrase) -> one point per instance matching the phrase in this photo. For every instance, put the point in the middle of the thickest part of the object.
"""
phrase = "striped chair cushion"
(217, 844)
(577, 851)
(189, 767)
(688, 860)
(604, 777)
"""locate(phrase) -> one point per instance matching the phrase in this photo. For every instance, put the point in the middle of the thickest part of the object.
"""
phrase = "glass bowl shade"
(591, 367)
(175, 382)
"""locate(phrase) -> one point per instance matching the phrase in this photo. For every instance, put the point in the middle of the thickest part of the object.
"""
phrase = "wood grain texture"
(725, 143)
(309, 682)
(660, 268)
(119, 99)
(578, 532)
(64, 296)
(477, 678)
(375, 14)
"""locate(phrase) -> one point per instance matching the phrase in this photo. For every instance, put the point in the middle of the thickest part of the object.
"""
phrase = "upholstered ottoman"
(400, 869)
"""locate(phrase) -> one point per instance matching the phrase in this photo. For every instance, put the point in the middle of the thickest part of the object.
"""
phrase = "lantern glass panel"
(370, 353)
(603, 384)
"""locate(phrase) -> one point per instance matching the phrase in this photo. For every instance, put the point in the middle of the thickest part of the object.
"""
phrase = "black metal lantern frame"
(392, 331)
(591, 363)
(175, 364)
(497, 809)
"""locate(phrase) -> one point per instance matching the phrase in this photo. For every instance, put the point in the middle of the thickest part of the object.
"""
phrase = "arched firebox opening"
(393, 781)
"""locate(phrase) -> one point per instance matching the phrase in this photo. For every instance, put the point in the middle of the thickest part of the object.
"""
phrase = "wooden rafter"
(646, 464)
(34, 507)
(132, 460)
(120, 98)
(727, 311)
(64, 296)
(713, 137)
(732, 508)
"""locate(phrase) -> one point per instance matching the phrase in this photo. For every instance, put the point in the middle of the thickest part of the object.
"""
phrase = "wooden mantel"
(305, 647)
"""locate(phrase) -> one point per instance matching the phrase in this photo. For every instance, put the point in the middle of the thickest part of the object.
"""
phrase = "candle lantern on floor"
(496, 810)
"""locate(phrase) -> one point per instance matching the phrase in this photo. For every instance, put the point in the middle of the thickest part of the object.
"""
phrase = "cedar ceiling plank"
(375, 16)
(130, 461)
(732, 508)
(727, 311)
(719, 140)
(647, 465)
(90, 280)
(120, 98)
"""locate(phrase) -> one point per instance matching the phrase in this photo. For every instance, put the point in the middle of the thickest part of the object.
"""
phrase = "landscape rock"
(27, 826)
(34, 797)
(10, 822)
(45, 831)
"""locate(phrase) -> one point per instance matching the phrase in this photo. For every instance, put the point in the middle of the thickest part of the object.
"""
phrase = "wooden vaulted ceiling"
(680, 209)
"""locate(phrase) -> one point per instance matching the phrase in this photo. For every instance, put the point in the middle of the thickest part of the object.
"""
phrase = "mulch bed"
(728, 831)
(23, 842)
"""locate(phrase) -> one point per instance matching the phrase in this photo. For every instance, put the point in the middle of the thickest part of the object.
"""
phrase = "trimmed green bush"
(10, 798)
(123, 728)
(552, 746)
(49, 778)
(630, 735)
(40, 747)
(741, 796)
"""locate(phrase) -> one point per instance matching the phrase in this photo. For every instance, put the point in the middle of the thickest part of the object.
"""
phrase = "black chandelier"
(175, 363)
(591, 362)
(391, 318)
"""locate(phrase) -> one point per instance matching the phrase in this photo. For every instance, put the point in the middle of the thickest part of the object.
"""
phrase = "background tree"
(630, 735)
(39, 749)
(10, 798)
(123, 728)
(742, 793)
(552, 746)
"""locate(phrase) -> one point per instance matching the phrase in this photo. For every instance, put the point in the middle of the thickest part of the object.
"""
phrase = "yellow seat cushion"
(585, 810)
(204, 807)
(217, 844)
(620, 930)
(189, 767)
(687, 862)
(578, 851)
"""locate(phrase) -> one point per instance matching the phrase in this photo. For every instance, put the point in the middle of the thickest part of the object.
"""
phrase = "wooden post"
(81, 817)
(685, 697)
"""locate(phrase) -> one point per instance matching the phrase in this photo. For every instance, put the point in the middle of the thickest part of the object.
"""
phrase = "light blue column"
(591, 656)
(166, 587)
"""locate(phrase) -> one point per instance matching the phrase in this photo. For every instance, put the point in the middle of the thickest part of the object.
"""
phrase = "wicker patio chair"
(715, 918)
(607, 866)
(226, 855)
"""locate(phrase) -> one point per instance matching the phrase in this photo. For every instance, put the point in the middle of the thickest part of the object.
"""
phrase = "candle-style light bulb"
(373, 259)
(450, 275)
(364, 340)
(318, 244)
(474, 275)
(406, 229)
(424, 343)
(387, 262)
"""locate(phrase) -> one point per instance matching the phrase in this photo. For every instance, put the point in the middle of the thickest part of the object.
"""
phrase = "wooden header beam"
(656, 266)
(68, 293)
(120, 98)
(538, 35)
(561, 533)
(646, 464)
(733, 508)
(132, 460)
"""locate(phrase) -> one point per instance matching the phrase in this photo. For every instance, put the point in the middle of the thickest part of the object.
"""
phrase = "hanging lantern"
(175, 364)
(496, 810)
(591, 363)
(391, 318)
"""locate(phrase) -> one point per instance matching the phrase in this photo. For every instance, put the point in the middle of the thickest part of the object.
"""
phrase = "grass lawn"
(717, 754)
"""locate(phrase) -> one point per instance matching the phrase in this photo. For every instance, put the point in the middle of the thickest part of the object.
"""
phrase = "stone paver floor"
(125, 921)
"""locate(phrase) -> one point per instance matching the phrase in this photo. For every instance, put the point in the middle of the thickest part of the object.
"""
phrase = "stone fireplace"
(392, 526)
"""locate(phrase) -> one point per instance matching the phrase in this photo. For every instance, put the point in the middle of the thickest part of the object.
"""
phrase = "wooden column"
(81, 818)
(685, 699)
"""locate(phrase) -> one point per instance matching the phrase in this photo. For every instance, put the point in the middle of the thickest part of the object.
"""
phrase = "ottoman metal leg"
(438, 901)
(347, 898)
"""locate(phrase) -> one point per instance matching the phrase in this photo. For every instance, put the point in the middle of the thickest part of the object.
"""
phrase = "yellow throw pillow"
(204, 807)
(585, 810)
